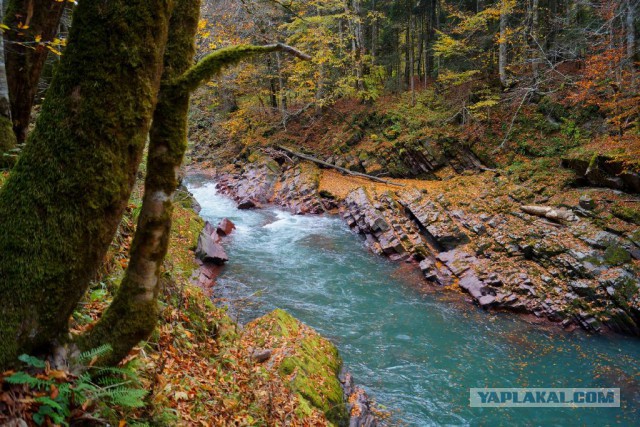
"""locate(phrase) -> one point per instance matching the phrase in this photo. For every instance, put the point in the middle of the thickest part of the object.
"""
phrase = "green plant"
(108, 390)
(571, 129)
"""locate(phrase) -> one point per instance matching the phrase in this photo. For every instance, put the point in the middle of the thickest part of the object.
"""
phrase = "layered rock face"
(294, 187)
(564, 262)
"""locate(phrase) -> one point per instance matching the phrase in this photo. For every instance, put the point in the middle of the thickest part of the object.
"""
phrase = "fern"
(108, 388)
(24, 378)
(34, 362)
(126, 397)
(95, 353)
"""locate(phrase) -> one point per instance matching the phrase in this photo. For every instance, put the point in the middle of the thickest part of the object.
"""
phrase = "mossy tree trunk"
(28, 19)
(133, 314)
(60, 207)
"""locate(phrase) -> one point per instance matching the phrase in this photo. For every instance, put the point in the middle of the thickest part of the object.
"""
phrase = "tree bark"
(631, 31)
(535, 26)
(24, 59)
(502, 45)
(133, 314)
(7, 137)
(61, 205)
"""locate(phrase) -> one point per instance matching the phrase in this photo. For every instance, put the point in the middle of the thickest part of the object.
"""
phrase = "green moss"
(313, 367)
(213, 63)
(62, 204)
(625, 292)
(627, 214)
(7, 142)
(593, 163)
(616, 255)
(312, 172)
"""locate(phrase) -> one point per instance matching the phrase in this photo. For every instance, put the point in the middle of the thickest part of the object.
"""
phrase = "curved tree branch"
(213, 63)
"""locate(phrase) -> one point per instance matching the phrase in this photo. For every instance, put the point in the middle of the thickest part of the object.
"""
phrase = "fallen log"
(555, 214)
(341, 169)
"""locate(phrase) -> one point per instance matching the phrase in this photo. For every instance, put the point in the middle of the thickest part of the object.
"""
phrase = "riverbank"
(414, 348)
(472, 233)
(200, 367)
(203, 368)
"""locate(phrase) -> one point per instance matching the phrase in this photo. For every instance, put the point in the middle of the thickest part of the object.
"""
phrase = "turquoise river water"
(416, 352)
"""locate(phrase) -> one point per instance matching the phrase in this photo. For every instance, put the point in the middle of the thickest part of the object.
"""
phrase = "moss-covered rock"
(628, 214)
(616, 255)
(309, 362)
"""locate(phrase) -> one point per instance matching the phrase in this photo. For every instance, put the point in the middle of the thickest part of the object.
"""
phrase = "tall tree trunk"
(283, 95)
(273, 84)
(7, 137)
(502, 45)
(60, 207)
(374, 33)
(535, 46)
(412, 80)
(357, 40)
(133, 314)
(28, 19)
(631, 31)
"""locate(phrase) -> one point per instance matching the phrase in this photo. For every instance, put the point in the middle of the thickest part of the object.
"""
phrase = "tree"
(502, 43)
(59, 214)
(7, 137)
(62, 203)
(31, 28)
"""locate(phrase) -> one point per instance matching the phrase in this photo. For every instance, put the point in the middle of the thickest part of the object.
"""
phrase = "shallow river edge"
(315, 373)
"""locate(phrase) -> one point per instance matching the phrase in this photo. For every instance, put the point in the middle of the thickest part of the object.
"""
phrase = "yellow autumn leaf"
(57, 52)
(181, 395)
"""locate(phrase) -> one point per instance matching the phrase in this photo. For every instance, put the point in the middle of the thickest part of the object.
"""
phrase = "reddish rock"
(225, 227)
(209, 229)
(210, 251)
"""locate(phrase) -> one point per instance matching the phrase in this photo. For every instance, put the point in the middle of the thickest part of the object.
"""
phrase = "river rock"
(211, 231)
(359, 405)
(246, 204)
(225, 227)
(498, 254)
(209, 250)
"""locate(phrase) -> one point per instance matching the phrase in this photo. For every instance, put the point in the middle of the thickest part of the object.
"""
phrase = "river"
(415, 352)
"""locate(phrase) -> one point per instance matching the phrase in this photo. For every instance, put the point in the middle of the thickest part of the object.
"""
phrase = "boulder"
(225, 227)
(473, 285)
(208, 250)
(246, 204)
(210, 231)
(586, 202)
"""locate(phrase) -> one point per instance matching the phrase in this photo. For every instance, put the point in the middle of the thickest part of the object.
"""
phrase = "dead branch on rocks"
(555, 214)
(341, 169)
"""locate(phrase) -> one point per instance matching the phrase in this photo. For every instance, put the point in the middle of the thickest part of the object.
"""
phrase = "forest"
(284, 212)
